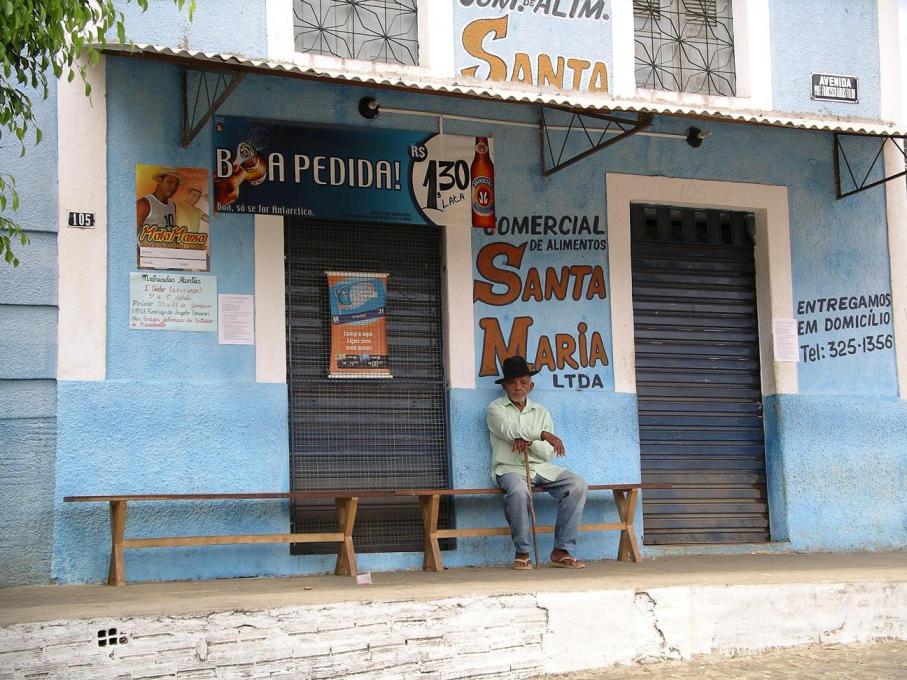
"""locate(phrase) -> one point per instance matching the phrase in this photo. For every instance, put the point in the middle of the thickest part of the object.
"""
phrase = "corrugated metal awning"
(390, 76)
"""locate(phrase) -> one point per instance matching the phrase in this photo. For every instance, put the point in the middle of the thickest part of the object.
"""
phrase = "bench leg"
(626, 510)
(346, 518)
(429, 506)
(116, 575)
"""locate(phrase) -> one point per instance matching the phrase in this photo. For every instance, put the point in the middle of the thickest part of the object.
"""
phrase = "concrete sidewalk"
(46, 603)
(488, 622)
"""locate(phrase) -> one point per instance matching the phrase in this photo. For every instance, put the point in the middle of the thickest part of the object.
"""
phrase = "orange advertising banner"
(358, 325)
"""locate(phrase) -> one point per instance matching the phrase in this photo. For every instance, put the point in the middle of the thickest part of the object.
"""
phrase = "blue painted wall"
(181, 413)
(225, 26)
(838, 467)
(835, 37)
(28, 337)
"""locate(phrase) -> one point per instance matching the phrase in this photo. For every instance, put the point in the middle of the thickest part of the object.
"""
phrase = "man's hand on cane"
(521, 446)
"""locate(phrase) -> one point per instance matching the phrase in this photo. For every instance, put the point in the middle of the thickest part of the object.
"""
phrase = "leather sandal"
(522, 563)
(567, 562)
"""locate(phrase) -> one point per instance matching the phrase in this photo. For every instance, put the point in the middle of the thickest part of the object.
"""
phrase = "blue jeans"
(570, 491)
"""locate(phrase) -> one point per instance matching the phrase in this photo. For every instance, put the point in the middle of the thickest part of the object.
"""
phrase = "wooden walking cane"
(535, 541)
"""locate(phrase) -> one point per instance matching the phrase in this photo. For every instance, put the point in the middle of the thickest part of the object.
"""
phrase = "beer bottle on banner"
(482, 173)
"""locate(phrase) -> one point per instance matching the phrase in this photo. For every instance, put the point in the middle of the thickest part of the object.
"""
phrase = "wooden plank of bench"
(346, 500)
(625, 499)
(116, 574)
(230, 539)
(505, 531)
(537, 489)
(431, 557)
(626, 510)
(346, 518)
(280, 495)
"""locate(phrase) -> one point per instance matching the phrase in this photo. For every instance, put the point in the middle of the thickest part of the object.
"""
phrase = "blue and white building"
(700, 237)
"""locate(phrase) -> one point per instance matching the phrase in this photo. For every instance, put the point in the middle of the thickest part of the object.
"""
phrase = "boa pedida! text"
(502, 283)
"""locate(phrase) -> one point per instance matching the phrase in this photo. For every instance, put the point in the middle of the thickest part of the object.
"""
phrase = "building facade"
(688, 232)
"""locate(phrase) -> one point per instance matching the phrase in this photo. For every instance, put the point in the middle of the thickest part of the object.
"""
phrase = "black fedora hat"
(515, 367)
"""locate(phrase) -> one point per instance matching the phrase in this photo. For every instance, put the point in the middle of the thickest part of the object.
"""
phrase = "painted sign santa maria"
(350, 173)
(559, 44)
(358, 325)
(540, 290)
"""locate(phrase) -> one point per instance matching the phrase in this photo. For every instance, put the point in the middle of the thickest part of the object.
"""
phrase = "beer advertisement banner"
(358, 325)
(350, 173)
(171, 214)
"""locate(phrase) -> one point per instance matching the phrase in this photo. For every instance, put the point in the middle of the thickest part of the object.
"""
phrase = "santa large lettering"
(502, 282)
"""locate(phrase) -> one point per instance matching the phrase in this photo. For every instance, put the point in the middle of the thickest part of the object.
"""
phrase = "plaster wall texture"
(227, 26)
(513, 636)
(182, 413)
(834, 37)
(130, 436)
(28, 443)
(28, 337)
(837, 461)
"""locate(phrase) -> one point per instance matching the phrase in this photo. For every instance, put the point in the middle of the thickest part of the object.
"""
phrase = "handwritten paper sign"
(173, 302)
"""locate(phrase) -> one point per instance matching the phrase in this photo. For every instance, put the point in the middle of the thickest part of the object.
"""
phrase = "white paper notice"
(235, 314)
(172, 301)
(785, 336)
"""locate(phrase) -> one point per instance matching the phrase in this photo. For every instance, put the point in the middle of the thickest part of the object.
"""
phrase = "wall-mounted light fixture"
(695, 137)
(369, 107)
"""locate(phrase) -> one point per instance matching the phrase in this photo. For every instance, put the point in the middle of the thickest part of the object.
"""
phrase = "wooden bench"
(625, 498)
(346, 501)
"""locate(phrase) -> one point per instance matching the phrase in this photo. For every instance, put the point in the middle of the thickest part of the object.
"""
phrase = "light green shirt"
(507, 423)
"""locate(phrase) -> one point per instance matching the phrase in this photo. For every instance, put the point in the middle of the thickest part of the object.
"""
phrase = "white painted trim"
(270, 305)
(890, 60)
(902, 23)
(896, 208)
(623, 49)
(436, 37)
(459, 322)
(893, 106)
(752, 47)
(82, 253)
(774, 287)
(281, 44)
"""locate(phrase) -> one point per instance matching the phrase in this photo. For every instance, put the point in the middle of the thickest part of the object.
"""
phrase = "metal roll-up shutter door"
(697, 376)
(366, 433)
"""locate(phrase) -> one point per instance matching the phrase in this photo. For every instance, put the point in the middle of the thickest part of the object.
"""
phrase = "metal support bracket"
(858, 181)
(203, 93)
(594, 137)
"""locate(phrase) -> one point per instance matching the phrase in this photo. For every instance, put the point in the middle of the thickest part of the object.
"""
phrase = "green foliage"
(9, 197)
(41, 39)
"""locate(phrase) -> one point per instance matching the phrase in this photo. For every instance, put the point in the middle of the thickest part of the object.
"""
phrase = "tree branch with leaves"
(40, 40)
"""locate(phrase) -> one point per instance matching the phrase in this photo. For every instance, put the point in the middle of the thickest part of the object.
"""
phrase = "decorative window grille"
(372, 30)
(685, 46)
